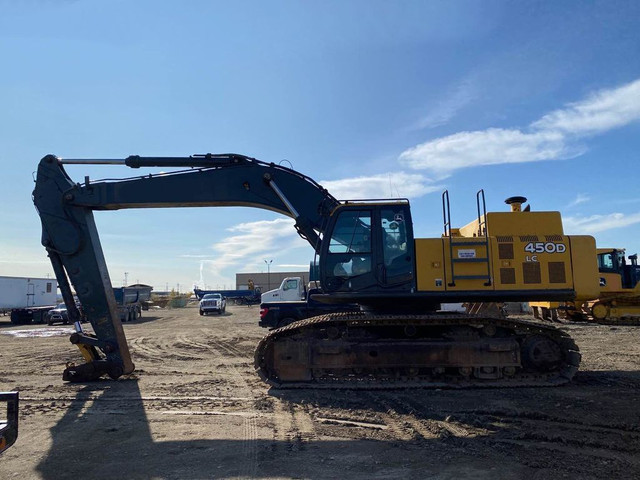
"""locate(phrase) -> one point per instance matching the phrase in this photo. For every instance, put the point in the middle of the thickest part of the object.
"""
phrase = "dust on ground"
(195, 409)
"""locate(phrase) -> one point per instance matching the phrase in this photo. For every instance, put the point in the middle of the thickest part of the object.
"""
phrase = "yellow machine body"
(524, 254)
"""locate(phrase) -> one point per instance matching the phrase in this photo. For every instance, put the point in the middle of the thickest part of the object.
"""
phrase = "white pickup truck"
(213, 302)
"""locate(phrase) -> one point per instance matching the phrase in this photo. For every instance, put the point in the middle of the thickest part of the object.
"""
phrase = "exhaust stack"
(515, 203)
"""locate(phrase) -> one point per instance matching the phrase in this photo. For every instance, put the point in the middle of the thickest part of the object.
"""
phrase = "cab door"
(396, 258)
(369, 248)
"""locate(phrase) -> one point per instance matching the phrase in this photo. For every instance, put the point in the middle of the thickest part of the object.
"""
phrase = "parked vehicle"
(240, 297)
(292, 289)
(279, 314)
(213, 302)
(131, 299)
(27, 299)
(58, 315)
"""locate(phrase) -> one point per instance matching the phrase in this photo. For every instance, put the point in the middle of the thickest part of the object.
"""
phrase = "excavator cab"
(9, 426)
(368, 247)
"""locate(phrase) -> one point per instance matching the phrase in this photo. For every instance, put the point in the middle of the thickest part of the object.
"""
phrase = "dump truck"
(130, 300)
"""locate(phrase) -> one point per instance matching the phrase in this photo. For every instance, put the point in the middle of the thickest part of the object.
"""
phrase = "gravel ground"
(195, 409)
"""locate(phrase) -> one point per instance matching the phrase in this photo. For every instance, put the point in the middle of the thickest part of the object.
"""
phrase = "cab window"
(394, 235)
(291, 285)
(352, 233)
(606, 262)
(351, 244)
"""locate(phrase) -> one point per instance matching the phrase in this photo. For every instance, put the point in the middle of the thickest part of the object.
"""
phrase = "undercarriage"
(358, 350)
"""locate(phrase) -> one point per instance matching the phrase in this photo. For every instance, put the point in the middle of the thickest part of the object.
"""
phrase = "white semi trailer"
(27, 299)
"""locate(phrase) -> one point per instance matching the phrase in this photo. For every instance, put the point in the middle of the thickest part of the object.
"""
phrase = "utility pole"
(268, 274)
(126, 275)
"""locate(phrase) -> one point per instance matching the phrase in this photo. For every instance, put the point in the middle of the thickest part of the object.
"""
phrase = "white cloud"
(553, 137)
(486, 147)
(599, 223)
(600, 112)
(384, 185)
(247, 247)
(254, 240)
(447, 108)
(580, 198)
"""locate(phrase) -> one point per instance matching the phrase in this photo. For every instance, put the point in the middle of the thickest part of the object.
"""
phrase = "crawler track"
(398, 351)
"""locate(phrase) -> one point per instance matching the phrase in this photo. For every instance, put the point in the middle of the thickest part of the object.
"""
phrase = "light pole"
(126, 275)
(268, 274)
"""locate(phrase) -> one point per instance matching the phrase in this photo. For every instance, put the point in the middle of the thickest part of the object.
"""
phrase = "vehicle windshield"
(212, 296)
(61, 306)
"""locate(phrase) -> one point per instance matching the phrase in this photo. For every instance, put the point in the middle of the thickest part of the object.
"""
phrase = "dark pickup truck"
(279, 314)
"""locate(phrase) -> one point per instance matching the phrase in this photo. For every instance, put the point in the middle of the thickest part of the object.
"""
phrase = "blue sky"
(370, 98)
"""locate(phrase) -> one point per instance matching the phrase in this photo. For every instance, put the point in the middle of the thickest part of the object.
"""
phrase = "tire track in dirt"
(200, 345)
(249, 468)
(293, 425)
(160, 351)
(530, 429)
(239, 382)
(426, 421)
(563, 435)
(401, 426)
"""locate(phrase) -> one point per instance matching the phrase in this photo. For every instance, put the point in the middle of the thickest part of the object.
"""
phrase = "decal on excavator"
(548, 247)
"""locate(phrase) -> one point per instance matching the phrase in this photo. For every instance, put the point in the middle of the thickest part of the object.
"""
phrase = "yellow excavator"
(367, 255)
(618, 301)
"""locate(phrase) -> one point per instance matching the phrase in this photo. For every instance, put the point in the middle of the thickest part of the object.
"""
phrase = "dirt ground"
(195, 409)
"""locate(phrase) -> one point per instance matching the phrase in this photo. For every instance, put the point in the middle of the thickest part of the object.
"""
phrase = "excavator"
(618, 302)
(368, 255)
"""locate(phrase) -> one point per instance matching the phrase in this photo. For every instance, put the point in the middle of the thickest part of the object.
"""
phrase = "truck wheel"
(201, 312)
(285, 321)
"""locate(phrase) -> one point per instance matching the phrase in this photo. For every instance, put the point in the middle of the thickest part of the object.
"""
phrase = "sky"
(370, 98)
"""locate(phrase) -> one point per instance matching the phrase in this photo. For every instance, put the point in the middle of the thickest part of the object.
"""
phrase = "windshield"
(61, 306)
(212, 296)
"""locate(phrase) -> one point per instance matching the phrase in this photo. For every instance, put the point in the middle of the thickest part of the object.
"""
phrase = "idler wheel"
(540, 353)
(599, 311)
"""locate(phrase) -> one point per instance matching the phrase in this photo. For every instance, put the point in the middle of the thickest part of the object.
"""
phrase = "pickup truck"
(213, 302)
(279, 314)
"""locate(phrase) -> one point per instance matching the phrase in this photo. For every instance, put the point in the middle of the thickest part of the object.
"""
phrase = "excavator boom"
(71, 238)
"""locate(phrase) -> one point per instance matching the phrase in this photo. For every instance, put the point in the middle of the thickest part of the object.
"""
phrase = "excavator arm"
(71, 239)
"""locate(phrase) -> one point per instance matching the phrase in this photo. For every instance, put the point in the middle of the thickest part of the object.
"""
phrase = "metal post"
(268, 274)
